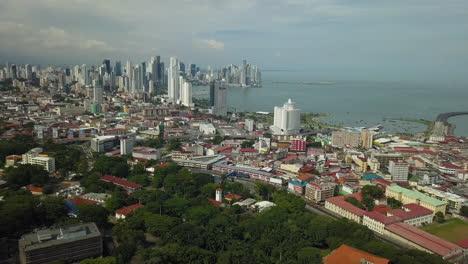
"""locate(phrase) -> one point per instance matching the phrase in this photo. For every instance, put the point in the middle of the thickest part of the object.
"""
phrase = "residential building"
(399, 170)
(454, 201)
(367, 138)
(298, 145)
(146, 153)
(71, 243)
(249, 125)
(409, 196)
(345, 138)
(287, 119)
(48, 163)
(207, 129)
(173, 80)
(318, 192)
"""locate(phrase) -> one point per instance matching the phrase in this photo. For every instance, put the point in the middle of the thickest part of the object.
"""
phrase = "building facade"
(287, 119)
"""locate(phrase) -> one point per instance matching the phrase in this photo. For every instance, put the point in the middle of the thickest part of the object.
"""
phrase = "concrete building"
(249, 125)
(409, 196)
(367, 138)
(319, 192)
(218, 98)
(287, 119)
(48, 163)
(344, 138)
(207, 129)
(346, 254)
(173, 88)
(186, 93)
(454, 201)
(126, 145)
(399, 170)
(71, 243)
(122, 213)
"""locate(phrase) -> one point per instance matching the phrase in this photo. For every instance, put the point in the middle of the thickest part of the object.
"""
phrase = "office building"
(71, 244)
(249, 125)
(399, 170)
(97, 93)
(173, 89)
(126, 146)
(287, 119)
(118, 68)
(218, 98)
(107, 66)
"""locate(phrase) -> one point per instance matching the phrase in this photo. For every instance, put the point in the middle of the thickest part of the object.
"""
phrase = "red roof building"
(79, 201)
(346, 254)
(122, 213)
(422, 239)
(126, 185)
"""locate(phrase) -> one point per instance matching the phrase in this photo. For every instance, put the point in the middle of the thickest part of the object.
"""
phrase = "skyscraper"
(97, 93)
(107, 66)
(218, 98)
(118, 68)
(287, 119)
(186, 93)
(28, 72)
(173, 89)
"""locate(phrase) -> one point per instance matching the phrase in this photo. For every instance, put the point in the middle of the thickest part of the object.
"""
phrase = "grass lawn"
(452, 230)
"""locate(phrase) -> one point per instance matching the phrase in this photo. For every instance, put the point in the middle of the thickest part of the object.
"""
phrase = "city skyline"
(341, 38)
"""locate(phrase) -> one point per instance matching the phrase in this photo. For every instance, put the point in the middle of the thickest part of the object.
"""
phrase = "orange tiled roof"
(349, 255)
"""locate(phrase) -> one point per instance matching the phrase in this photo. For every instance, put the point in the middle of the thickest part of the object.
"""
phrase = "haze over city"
(341, 39)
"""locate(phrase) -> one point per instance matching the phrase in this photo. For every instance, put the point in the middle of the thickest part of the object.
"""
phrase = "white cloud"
(213, 44)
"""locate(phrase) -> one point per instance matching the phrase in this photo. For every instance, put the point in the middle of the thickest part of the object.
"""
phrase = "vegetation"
(464, 211)
(394, 203)
(247, 144)
(26, 174)
(439, 217)
(15, 146)
(452, 229)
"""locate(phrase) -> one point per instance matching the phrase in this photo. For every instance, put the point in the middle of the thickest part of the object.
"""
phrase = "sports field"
(452, 230)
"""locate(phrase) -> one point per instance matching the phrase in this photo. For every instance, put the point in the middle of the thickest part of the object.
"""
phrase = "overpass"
(445, 116)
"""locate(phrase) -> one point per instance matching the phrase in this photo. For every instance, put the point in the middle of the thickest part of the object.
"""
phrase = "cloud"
(213, 44)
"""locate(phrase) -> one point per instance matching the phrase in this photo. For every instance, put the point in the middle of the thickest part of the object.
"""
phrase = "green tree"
(372, 191)
(217, 140)
(173, 144)
(52, 209)
(93, 213)
(354, 201)
(160, 224)
(116, 201)
(247, 144)
(309, 255)
(439, 217)
(464, 211)
(25, 174)
(101, 260)
(264, 190)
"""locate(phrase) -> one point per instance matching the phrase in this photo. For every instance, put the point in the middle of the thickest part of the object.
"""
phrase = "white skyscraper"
(218, 98)
(97, 92)
(173, 89)
(186, 93)
(126, 146)
(287, 119)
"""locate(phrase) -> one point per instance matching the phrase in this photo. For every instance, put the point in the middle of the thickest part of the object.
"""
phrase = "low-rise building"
(339, 206)
(122, 213)
(346, 254)
(126, 185)
(409, 196)
(71, 244)
(455, 202)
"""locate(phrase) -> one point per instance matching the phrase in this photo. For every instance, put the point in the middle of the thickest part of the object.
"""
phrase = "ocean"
(356, 103)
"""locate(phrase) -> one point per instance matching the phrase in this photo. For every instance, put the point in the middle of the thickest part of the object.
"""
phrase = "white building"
(186, 93)
(207, 129)
(287, 119)
(399, 170)
(48, 163)
(126, 146)
(173, 80)
(218, 98)
(249, 125)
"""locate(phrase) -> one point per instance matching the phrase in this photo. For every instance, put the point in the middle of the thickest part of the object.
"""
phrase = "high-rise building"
(399, 170)
(126, 145)
(287, 119)
(186, 93)
(107, 66)
(193, 70)
(28, 72)
(343, 138)
(97, 93)
(173, 90)
(13, 72)
(143, 83)
(249, 125)
(118, 68)
(218, 98)
(367, 138)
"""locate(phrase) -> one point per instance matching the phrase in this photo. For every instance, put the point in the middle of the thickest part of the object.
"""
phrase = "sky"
(364, 38)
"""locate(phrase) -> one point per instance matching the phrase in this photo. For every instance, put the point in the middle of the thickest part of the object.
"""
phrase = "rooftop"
(423, 239)
(128, 209)
(120, 181)
(56, 236)
(416, 195)
(349, 255)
